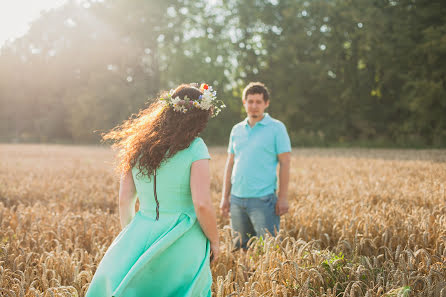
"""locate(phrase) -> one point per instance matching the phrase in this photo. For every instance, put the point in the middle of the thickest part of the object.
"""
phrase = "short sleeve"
(283, 143)
(231, 143)
(199, 150)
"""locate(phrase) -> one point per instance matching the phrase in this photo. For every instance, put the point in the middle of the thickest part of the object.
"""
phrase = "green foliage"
(399, 292)
(333, 266)
(340, 72)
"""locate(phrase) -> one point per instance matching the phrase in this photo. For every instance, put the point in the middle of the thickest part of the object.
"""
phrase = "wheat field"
(361, 223)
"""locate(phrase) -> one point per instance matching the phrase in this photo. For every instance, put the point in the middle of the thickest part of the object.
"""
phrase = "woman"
(163, 249)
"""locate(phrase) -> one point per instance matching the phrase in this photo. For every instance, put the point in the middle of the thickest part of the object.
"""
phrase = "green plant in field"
(258, 246)
(334, 261)
(333, 267)
(399, 292)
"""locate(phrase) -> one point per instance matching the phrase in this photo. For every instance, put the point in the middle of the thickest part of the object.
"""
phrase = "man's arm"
(226, 190)
(284, 178)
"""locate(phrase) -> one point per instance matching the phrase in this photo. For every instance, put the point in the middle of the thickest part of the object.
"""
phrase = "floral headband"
(204, 102)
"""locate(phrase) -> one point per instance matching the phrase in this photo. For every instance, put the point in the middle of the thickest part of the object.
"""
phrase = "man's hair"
(256, 88)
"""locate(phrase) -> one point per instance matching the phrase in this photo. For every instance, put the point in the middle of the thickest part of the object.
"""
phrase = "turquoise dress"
(168, 257)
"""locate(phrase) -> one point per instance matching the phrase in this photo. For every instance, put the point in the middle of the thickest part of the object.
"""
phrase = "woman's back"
(142, 257)
(172, 182)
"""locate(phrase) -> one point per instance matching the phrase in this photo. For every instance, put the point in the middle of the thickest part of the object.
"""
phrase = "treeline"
(367, 72)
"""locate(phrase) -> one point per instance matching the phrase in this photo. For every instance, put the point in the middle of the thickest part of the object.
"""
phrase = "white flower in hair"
(175, 100)
(204, 102)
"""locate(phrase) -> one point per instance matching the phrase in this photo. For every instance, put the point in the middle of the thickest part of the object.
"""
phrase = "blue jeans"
(253, 217)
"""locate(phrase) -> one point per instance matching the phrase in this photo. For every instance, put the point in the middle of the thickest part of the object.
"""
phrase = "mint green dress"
(168, 257)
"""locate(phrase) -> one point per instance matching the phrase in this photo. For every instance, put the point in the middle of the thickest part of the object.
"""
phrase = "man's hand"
(281, 206)
(284, 177)
(224, 206)
(226, 189)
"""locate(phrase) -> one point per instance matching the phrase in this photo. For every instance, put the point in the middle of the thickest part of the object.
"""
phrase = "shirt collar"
(266, 119)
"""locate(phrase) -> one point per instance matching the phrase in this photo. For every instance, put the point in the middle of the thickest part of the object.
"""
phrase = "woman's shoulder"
(197, 142)
(199, 149)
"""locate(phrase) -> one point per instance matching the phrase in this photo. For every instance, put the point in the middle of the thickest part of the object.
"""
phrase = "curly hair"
(157, 133)
(256, 88)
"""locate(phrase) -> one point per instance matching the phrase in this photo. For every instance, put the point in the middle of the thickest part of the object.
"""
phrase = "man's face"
(255, 105)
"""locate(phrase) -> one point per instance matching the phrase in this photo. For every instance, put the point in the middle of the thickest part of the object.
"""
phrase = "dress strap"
(156, 197)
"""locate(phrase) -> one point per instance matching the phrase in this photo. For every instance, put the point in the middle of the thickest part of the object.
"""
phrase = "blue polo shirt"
(255, 156)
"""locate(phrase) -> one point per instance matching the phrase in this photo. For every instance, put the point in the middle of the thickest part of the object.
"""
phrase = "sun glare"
(15, 16)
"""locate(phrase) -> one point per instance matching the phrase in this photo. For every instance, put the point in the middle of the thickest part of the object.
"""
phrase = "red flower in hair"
(204, 86)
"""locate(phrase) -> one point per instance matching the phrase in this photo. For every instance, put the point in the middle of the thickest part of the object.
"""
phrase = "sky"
(15, 16)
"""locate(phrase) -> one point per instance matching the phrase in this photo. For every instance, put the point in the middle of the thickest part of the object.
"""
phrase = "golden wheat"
(361, 223)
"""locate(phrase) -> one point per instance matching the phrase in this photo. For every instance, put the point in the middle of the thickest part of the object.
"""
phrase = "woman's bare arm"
(200, 185)
(127, 199)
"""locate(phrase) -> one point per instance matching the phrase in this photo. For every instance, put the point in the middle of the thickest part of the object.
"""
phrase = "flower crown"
(204, 102)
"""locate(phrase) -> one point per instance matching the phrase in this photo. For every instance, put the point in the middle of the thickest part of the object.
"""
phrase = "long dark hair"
(157, 133)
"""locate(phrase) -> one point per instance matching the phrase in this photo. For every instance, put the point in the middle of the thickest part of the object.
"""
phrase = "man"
(256, 146)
